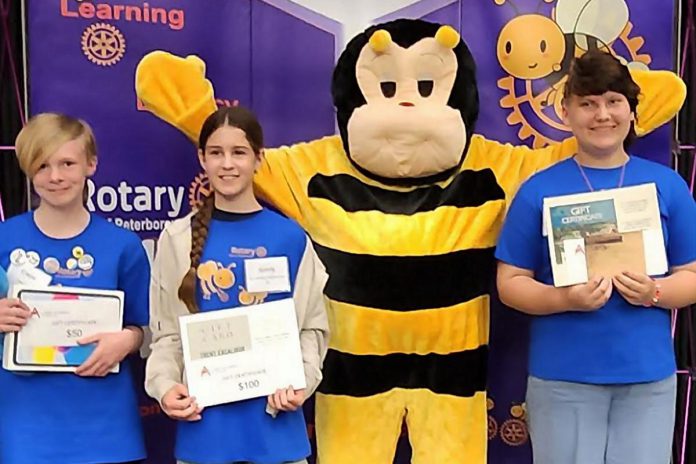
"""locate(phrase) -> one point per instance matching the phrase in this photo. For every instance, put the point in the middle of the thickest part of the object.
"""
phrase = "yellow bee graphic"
(534, 46)
(215, 278)
(248, 298)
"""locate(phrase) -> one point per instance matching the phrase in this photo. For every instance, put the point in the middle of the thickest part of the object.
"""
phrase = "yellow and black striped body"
(408, 295)
(409, 272)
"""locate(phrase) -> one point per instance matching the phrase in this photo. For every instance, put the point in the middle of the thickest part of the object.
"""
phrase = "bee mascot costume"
(404, 208)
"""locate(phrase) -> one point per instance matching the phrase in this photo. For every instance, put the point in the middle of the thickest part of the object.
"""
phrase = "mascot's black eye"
(425, 88)
(542, 46)
(508, 47)
(388, 88)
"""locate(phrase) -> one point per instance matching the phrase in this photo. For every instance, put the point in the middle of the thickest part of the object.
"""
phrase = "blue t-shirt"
(62, 418)
(243, 431)
(619, 343)
(3, 283)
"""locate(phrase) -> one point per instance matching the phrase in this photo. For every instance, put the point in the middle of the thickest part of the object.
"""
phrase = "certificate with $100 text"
(241, 353)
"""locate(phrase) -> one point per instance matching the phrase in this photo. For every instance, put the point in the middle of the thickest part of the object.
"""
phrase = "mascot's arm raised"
(283, 180)
(662, 95)
(513, 164)
(175, 90)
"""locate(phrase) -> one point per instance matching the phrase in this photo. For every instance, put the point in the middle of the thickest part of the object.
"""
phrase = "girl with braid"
(199, 267)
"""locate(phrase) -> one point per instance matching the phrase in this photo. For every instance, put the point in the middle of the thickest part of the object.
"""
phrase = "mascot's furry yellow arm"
(404, 209)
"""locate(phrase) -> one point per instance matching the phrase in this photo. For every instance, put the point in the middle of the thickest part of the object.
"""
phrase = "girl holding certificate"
(200, 266)
(602, 368)
(90, 416)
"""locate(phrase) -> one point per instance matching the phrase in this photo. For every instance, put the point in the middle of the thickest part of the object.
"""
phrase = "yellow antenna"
(380, 41)
(447, 36)
(509, 2)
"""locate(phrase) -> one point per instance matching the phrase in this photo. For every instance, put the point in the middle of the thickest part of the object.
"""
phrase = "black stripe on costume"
(469, 188)
(460, 374)
(407, 283)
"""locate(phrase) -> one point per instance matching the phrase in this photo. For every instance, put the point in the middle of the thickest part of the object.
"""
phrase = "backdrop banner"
(276, 57)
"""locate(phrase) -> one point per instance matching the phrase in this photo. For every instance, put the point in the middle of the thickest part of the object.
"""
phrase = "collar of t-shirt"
(222, 215)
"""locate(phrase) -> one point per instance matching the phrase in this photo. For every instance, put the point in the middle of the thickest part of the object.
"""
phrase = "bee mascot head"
(406, 100)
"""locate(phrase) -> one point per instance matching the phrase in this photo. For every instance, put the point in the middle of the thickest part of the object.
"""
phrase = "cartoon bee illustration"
(215, 278)
(534, 46)
(247, 298)
(536, 51)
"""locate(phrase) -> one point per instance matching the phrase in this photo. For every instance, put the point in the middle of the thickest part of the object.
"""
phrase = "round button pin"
(77, 252)
(86, 262)
(33, 258)
(18, 256)
(71, 264)
(51, 265)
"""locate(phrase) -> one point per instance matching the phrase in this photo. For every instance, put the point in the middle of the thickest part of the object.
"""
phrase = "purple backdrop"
(277, 56)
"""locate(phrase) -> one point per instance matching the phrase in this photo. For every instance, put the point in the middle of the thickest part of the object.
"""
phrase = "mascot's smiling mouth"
(532, 66)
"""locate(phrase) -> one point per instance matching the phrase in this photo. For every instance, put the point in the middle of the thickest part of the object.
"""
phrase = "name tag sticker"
(270, 275)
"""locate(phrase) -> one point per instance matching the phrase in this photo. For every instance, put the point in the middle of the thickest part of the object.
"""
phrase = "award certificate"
(60, 317)
(241, 353)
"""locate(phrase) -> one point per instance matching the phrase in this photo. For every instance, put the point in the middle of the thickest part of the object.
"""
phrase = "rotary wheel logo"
(103, 44)
(492, 427)
(514, 431)
(536, 50)
(199, 189)
(492, 423)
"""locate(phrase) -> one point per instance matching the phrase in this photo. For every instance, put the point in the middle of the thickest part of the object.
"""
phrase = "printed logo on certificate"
(604, 233)
(60, 317)
(241, 353)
